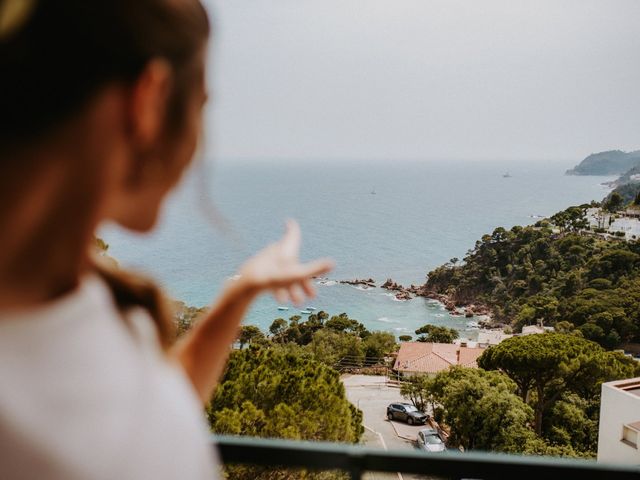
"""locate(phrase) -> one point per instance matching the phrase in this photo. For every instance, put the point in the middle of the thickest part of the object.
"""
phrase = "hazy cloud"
(423, 79)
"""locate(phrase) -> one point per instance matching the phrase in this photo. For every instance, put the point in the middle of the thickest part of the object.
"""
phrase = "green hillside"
(531, 274)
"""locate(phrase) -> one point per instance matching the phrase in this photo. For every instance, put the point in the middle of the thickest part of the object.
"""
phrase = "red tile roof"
(423, 357)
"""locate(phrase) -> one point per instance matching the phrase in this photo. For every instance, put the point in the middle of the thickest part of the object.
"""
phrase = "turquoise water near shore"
(422, 214)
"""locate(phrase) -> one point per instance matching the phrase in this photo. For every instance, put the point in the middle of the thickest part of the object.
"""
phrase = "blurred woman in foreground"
(100, 112)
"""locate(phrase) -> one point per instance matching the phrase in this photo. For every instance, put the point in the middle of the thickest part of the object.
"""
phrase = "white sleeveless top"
(86, 395)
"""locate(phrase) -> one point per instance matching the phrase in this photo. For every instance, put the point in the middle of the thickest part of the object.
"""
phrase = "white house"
(491, 337)
(534, 329)
(630, 226)
(627, 221)
(619, 432)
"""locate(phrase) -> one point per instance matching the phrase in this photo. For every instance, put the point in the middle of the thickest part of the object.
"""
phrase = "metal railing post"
(355, 473)
(356, 464)
(356, 460)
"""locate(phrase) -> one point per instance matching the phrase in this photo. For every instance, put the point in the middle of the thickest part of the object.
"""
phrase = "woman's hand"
(204, 349)
(277, 268)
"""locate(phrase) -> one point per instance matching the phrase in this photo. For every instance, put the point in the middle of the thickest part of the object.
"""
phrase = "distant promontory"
(613, 162)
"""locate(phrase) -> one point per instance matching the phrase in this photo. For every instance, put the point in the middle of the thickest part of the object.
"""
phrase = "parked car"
(407, 412)
(430, 441)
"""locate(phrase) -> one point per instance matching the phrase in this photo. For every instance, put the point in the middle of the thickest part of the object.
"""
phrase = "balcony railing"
(356, 460)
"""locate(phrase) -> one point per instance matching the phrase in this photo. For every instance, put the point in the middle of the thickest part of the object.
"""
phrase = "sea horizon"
(395, 219)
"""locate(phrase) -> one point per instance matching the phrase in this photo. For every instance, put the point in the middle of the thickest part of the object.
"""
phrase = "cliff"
(613, 162)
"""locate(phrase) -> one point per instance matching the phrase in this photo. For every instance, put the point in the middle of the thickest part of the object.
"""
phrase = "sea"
(377, 219)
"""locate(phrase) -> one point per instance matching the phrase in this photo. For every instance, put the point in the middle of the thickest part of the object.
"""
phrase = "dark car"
(406, 412)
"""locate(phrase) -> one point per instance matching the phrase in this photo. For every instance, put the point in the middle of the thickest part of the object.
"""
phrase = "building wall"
(627, 223)
(491, 337)
(630, 227)
(532, 330)
(617, 408)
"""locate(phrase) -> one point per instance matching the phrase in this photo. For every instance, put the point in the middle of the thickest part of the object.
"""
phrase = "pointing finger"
(291, 239)
(308, 288)
(280, 295)
(296, 295)
(315, 268)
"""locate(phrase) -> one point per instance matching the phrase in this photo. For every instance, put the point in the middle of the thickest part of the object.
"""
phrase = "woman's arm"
(204, 350)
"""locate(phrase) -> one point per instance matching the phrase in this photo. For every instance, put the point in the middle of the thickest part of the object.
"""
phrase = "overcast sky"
(433, 79)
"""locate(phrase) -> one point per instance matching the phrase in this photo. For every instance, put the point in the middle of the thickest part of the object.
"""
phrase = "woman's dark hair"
(56, 55)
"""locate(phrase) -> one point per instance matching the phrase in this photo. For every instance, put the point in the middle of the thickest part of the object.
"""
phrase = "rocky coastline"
(367, 283)
(403, 293)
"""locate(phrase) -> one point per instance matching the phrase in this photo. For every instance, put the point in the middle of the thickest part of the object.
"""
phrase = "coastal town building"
(487, 338)
(619, 430)
(632, 212)
(535, 329)
(630, 226)
(465, 342)
(424, 358)
(624, 224)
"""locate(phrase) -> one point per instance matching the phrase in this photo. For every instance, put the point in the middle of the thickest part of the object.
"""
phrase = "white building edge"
(625, 223)
(619, 431)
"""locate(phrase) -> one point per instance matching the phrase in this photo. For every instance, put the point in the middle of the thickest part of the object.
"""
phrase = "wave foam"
(387, 320)
(361, 288)
(401, 329)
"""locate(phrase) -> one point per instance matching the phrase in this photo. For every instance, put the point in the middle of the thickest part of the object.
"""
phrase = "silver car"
(430, 441)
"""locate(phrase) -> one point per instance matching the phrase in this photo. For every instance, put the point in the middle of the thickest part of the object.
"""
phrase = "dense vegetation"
(275, 393)
(480, 408)
(272, 392)
(436, 334)
(332, 340)
(286, 383)
(540, 394)
(536, 394)
(528, 275)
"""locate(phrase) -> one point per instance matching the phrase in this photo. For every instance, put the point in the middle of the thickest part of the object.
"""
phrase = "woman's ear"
(148, 103)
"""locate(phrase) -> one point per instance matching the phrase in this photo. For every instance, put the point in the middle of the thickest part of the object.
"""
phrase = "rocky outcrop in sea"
(367, 283)
(403, 293)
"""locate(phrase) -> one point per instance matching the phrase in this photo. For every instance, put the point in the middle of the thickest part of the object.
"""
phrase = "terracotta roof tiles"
(423, 357)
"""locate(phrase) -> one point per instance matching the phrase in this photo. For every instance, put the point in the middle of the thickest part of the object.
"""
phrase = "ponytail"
(130, 290)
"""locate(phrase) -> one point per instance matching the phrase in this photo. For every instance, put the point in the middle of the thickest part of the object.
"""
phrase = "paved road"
(372, 439)
(371, 395)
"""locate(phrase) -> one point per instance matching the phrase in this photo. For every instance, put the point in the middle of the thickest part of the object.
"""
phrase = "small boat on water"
(305, 312)
(283, 309)
(311, 308)
(506, 175)
(373, 191)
